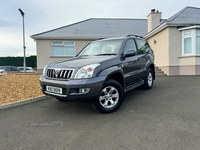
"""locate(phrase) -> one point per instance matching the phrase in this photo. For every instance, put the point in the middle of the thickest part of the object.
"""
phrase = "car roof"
(121, 38)
(107, 39)
(23, 67)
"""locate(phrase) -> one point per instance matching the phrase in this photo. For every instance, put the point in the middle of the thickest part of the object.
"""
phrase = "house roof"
(186, 17)
(95, 28)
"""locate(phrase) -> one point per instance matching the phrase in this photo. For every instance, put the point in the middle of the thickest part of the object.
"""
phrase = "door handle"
(138, 59)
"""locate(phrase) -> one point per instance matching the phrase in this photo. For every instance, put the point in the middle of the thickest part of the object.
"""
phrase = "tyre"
(110, 98)
(148, 84)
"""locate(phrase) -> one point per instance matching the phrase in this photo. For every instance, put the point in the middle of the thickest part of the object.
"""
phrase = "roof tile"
(96, 28)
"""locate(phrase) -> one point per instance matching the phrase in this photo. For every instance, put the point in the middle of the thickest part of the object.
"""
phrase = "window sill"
(189, 56)
(61, 56)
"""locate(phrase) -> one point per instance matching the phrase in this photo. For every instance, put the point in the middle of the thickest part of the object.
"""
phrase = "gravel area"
(17, 87)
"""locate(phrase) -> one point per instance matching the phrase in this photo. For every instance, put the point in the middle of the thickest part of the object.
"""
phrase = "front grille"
(59, 74)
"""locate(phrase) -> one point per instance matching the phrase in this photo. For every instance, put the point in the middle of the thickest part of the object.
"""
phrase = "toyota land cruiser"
(102, 72)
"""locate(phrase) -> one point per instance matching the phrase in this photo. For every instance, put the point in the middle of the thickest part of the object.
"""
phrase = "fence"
(18, 61)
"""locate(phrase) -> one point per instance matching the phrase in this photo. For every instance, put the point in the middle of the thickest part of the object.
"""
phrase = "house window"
(191, 42)
(188, 45)
(187, 42)
(197, 41)
(63, 48)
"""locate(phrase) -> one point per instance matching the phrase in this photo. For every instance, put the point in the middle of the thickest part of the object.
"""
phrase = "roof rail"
(135, 36)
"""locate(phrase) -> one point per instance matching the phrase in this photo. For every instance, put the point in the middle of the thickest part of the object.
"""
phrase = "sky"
(44, 15)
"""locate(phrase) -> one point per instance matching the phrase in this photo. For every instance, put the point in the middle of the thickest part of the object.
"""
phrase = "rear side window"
(143, 46)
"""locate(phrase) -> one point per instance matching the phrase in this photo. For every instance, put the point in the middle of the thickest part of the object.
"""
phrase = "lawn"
(17, 87)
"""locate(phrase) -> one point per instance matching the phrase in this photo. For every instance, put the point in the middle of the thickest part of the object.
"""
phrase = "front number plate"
(52, 89)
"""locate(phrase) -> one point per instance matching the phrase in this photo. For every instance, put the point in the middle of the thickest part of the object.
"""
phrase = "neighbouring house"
(175, 41)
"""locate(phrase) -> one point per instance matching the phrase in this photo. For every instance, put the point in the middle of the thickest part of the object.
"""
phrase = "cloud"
(5, 22)
(44, 15)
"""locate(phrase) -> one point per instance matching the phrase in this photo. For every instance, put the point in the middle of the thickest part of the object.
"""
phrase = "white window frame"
(196, 41)
(63, 45)
(193, 39)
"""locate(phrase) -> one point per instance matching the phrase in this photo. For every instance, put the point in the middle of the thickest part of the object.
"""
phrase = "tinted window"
(13, 69)
(7, 68)
(21, 68)
(143, 46)
(130, 45)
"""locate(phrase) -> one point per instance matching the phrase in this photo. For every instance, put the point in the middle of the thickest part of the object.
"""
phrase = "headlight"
(86, 72)
(44, 71)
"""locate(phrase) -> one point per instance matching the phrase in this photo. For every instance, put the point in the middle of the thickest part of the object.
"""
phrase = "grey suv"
(102, 72)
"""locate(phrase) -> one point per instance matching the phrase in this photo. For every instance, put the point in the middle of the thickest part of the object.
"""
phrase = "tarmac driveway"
(166, 117)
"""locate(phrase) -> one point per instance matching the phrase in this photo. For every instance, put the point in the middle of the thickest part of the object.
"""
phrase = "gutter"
(190, 27)
(69, 37)
(156, 30)
(165, 25)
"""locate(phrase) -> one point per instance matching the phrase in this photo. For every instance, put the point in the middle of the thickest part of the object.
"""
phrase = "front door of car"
(130, 64)
(143, 49)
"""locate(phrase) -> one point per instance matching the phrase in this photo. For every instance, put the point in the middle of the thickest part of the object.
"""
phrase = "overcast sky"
(44, 15)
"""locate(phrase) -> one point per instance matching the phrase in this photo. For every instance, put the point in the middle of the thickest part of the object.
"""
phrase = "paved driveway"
(164, 118)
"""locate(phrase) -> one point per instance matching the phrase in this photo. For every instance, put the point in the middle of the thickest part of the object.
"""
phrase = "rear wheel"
(110, 98)
(149, 79)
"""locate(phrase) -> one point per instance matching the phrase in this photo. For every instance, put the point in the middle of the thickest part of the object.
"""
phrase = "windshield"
(110, 47)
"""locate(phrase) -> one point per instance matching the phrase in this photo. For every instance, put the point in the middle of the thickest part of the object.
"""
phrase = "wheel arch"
(117, 76)
(115, 73)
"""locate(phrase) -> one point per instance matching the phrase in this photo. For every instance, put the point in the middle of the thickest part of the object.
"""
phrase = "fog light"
(84, 90)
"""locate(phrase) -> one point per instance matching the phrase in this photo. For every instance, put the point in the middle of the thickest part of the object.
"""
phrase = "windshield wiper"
(104, 54)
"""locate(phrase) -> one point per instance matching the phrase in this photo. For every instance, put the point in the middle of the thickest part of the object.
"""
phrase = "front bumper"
(71, 88)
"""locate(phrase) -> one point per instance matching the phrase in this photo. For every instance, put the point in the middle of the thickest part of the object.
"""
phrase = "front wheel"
(110, 98)
(148, 84)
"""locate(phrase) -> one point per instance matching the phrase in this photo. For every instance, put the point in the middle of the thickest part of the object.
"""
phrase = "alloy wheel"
(109, 97)
(150, 79)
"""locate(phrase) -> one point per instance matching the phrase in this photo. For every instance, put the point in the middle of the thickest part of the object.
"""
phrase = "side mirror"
(130, 53)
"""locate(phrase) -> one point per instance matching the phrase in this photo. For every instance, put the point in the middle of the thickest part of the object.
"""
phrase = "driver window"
(143, 46)
(130, 45)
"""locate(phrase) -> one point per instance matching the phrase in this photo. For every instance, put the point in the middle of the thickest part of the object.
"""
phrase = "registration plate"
(52, 89)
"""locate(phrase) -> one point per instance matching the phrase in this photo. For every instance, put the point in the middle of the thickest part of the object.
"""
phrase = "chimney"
(154, 19)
